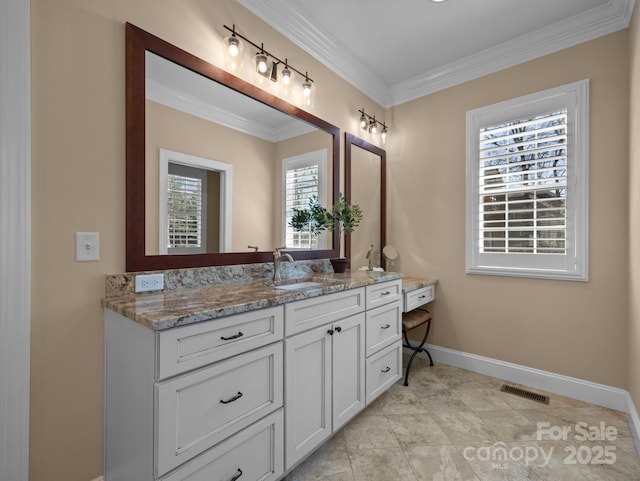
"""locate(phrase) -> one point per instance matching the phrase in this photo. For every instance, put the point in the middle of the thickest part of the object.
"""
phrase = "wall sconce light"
(263, 70)
(233, 52)
(262, 62)
(368, 123)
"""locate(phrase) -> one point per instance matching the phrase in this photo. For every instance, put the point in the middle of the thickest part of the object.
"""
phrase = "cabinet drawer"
(190, 347)
(309, 313)
(418, 297)
(380, 294)
(383, 326)
(383, 369)
(253, 454)
(196, 411)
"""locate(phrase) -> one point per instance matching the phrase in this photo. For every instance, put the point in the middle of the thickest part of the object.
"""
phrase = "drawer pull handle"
(232, 337)
(386, 369)
(237, 475)
(330, 332)
(338, 329)
(386, 326)
(230, 400)
(385, 293)
(422, 296)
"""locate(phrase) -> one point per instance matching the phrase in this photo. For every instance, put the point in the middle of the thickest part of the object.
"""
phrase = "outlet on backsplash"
(149, 282)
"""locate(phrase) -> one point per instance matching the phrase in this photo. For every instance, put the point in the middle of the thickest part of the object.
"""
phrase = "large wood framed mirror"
(244, 175)
(365, 185)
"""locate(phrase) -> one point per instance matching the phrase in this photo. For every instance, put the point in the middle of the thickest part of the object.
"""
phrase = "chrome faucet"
(279, 257)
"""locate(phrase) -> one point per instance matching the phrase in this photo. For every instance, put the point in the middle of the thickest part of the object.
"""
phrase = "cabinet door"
(348, 369)
(307, 392)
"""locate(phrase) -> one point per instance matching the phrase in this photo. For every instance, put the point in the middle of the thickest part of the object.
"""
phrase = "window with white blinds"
(186, 203)
(526, 185)
(303, 178)
(523, 185)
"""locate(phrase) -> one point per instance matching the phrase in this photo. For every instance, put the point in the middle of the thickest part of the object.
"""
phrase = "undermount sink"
(300, 285)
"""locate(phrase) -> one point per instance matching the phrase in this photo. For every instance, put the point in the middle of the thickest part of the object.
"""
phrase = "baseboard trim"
(594, 393)
(634, 421)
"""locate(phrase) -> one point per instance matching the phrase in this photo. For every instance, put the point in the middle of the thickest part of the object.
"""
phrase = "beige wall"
(571, 328)
(78, 180)
(634, 215)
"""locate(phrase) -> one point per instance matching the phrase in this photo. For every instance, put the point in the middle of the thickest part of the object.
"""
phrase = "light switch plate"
(87, 246)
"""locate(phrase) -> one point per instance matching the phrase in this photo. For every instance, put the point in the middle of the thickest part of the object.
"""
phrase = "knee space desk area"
(417, 293)
(244, 381)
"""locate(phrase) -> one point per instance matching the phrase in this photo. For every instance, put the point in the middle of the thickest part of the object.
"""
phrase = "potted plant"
(311, 219)
(342, 217)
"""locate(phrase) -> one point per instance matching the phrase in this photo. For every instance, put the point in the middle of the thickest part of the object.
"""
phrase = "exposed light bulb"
(363, 123)
(261, 62)
(286, 75)
(373, 127)
(234, 48)
(306, 88)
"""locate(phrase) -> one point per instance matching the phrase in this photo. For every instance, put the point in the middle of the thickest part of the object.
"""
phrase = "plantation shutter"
(301, 184)
(185, 204)
(523, 185)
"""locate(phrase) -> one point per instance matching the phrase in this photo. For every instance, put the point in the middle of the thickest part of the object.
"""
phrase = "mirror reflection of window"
(194, 204)
(304, 177)
(186, 209)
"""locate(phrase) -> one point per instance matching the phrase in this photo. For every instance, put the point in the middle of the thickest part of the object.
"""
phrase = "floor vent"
(525, 394)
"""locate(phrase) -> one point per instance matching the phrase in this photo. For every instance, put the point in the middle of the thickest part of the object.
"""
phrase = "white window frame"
(574, 264)
(226, 193)
(316, 157)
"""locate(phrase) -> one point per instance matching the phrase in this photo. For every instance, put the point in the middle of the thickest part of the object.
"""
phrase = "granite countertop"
(410, 283)
(169, 309)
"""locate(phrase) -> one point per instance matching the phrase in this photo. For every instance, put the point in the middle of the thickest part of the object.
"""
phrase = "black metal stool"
(411, 320)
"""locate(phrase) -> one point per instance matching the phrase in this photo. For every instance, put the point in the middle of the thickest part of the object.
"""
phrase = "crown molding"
(289, 20)
(594, 23)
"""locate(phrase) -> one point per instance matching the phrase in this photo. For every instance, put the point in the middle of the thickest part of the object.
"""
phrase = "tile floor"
(450, 424)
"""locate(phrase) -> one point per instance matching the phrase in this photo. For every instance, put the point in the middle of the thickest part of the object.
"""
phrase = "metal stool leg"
(416, 350)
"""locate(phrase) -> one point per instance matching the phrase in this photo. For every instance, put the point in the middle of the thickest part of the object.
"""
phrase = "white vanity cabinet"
(248, 396)
(352, 348)
(182, 403)
(384, 337)
(324, 368)
(325, 379)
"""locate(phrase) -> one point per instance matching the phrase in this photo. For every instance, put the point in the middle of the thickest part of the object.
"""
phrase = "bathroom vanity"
(243, 381)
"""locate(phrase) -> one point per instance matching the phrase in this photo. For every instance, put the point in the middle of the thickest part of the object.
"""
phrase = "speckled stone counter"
(411, 283)
(179, 307)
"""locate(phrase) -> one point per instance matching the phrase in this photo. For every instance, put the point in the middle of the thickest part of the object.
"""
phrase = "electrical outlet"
(149, 282)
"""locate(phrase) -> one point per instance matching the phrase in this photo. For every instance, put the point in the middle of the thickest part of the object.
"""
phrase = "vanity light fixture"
(308, 91)
(373, 126)
(363, 122)
(262, 62)
(233, 52)
(286, 73)
(368, 123)
(233, 45)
